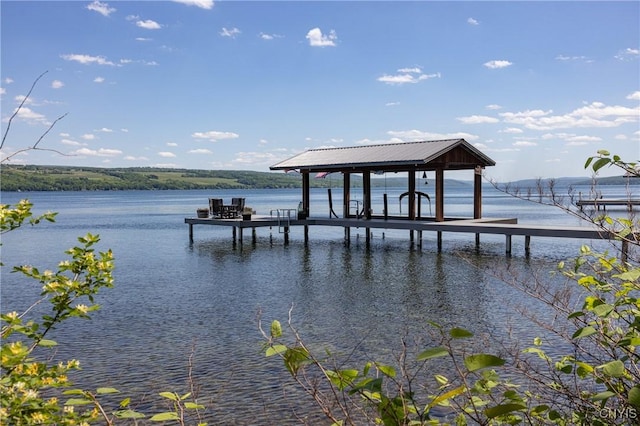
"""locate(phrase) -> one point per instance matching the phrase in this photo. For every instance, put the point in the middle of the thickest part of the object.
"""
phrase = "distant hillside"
(63, 178)
(574, 181)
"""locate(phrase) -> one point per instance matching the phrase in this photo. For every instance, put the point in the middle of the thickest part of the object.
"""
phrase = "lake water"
(173, 297)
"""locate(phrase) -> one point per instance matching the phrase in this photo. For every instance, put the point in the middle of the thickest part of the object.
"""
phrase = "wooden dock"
(599, 203)
(500, 226)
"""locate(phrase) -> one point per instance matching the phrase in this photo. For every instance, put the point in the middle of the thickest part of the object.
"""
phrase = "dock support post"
(420, 239)
(286, 235)
(234, 233)
(439, 241)
(477, 240)
(191, 232)
(254, 236)
(508, 243)
(306, 234)
(527, 245)
(347, 236)
(240, 230)
(368, 237)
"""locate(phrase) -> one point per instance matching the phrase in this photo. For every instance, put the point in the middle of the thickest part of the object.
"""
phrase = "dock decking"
(604, 202)
(500, 226)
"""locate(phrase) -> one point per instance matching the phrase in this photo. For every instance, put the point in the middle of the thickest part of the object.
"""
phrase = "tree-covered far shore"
(25, 178)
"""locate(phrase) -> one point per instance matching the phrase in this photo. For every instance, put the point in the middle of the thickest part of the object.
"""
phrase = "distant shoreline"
(27, 178)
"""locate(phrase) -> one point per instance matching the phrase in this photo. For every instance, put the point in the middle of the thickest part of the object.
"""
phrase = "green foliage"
(32, 388)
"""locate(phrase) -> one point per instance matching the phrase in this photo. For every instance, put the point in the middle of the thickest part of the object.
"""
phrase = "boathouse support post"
(191, 232)
(240, 232)
(439, 241)
(346, 199)
(366, 194)
(254, 235)
(412, 199)
(477, 193)
(508, 244)
(440, 194)
(527, 245)
(233, 232)
(306, 199)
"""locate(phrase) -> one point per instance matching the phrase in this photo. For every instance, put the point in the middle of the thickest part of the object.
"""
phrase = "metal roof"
(457, 154)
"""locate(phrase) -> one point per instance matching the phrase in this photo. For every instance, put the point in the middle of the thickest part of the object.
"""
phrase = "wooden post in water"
(191, 232)
(439, 195)
(477, 197)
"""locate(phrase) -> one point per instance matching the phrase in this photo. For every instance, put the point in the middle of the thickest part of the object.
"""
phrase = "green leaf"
(275, 350)
(479, 361)
(432, 353)
(47, 343)
(103, 391)
(634, 396)
(603, 310)
(169, 395)
(78, 401)
(276, 329)
(600, 163)
(128, 414)
(73, 392)
(584, 332)
(164, 417)
(460, 333)
(387, 370)
(193, 406)
(632, 275)
(500, 410)
(614, 368)
(602, 396)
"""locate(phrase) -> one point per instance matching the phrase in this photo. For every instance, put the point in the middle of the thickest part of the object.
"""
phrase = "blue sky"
(537, 86)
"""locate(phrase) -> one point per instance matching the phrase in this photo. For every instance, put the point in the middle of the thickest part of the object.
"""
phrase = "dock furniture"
(215, 207)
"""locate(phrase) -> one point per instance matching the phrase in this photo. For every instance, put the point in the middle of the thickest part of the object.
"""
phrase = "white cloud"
(232, 33)
(56, 84)
(148, 24)
(418, 135)
(628, 54)
(30, 116)
(478, 119)
(200, 151)
(101, 8)
(472, 21)
(524, 143)
(70, 142)
(270, 36)
(203, 4)
(493, 107)
(98, 80)
(252, 158)
(635, 96)
(132, 158)
(407, 75)
(214, 136)
(512, 130)
(166, 154)
(317, 39)
(8, 80)
(497, 64)
(596, 115)
(87, 59)
(566, 58)
(172, 144)
(105, 130)
(88, 137)
(102, 152)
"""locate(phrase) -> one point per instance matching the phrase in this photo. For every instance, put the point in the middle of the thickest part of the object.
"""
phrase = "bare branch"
(15, 113)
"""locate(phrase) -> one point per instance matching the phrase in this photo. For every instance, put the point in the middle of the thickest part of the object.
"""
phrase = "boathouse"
(410, 158)
(406, 157)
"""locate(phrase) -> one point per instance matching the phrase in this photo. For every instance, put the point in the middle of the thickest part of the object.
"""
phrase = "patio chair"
(238, 205)
(215, 207)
